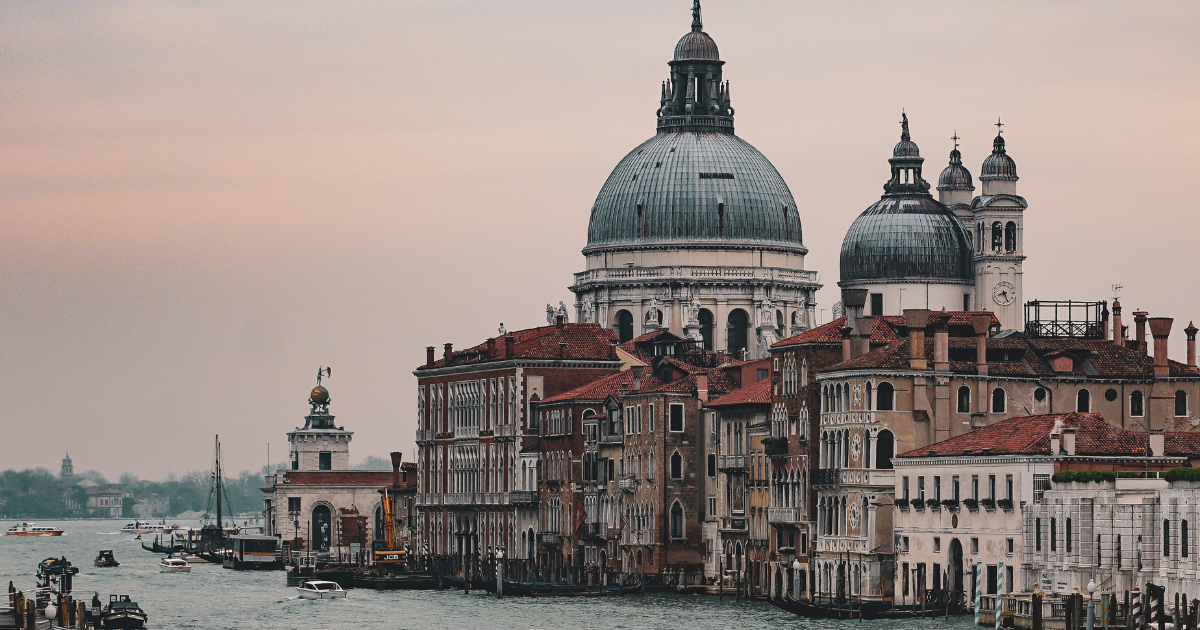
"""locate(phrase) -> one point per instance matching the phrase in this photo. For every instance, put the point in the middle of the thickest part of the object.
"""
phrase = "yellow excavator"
(390, 557)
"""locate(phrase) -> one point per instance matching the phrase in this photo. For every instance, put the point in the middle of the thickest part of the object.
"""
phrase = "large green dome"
(695, 187)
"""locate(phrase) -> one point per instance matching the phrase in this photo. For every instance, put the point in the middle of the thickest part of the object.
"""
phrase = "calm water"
(211, 597)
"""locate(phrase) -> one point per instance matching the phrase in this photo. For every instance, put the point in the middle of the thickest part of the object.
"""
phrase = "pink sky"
(202, 202)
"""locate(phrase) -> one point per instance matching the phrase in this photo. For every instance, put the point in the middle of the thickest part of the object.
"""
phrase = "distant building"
(152, 506)
(68, 468)
(106, 503)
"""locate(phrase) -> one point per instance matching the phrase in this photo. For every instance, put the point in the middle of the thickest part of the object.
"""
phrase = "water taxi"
(121, 613)
(319, 589)
(174, 565)
(31, 529)
(106, 559)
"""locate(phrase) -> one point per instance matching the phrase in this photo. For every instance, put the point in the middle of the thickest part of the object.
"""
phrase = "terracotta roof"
(757, 394)
(584, 341)
(604, 387)
(1094, 358)
(884, 331)
(1030, 435)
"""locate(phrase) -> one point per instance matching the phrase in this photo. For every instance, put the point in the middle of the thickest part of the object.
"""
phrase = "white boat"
(32, 529)
(320, 589)
(138, 527)
(174, 565)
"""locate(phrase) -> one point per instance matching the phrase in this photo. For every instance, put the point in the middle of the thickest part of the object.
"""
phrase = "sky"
(201, 203)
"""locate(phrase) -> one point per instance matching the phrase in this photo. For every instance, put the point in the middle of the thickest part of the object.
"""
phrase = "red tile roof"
(884, 331)
(584, 341)
(1030, 435)
(756, 394)
(603, 388)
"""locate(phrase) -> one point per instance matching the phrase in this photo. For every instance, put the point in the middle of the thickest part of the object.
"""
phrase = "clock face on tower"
(1004, 293)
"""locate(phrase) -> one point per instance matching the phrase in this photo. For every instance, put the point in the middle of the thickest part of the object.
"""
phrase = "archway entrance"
(738, 323)
(884, 447)
(321, 530)
(955, 568)
(705, 317)
(624, 325)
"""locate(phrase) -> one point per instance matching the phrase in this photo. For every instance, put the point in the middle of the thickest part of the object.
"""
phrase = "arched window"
(867, 401)
(1137, 404)
(1053, 534)
(997, 236)
(1181, 403)
(964, 399)
(1083, 401)
(676, 466)
(885, 397)
(676, 520)
(705, 317)
(779, 329)
(999, 400)
(736, 328)
(1166, 538)
(885, 445)
(1010, 237)
(624, 325)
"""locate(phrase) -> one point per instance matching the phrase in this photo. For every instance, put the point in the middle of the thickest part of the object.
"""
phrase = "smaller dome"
(998, 165)
(319, 395)
(955, 176)
(696, 46)
(906, 148)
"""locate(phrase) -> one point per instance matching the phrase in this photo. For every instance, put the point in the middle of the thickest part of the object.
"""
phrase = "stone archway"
(955, 567)
(321, 528)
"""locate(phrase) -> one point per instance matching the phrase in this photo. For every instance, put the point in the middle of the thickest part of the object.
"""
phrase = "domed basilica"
(695, 231)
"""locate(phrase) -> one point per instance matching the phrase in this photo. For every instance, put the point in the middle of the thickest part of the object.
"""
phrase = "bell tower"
(319, 444)
(999, 238)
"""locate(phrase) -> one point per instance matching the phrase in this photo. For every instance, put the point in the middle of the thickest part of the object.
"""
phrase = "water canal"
(211, 597)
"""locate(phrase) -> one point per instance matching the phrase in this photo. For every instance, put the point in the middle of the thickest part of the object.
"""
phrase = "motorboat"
(320, 589)
(174, 565)
(32, 529)
(106, 559)
(121, 613)
(139, 528)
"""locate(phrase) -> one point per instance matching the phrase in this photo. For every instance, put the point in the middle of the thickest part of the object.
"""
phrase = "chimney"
(1160, 327)
(853, 302)
(637, 375)
(1068, 439)
(916, 319)
(1190, 331)
(428, 356)
(846, 356)
(981, 323)
(861, 344)
(562, 349)
(509, 340)
(941, 342)
(560, 321)
(1118, 330)
(396, 456)
(491, 347)
(1104, 320)
(702, 388)
(1157, 443)
(1055, 438)
(448, 353)
(1139, 320)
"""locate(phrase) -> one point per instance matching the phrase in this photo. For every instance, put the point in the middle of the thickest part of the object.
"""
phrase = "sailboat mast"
(218, 440)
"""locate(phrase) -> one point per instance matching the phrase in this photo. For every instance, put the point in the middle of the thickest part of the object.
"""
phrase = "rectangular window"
(905, 540)
(937, 544)
(652, 417)
(991, 579)
(676, 418)
(937, 576)
(1008, 579)
(975, 487)
(1053, 534)
(1008, 487)
(326, 461)
(921, 487)
(974, 545)
(904, 571)
(295, 460)
(1041, 483)
(937, 488)
(763, 373)
(955, 488)
(1037, 534)
(712, 465)
(966, 301)
(876, 304)
(992, 487)
(904, 487)
(294, 504)
(1008, 546)
(712, 506)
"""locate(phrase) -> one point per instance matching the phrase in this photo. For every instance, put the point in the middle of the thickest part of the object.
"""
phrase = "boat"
(860, 610)
(410, 581)
(121, 613)
(32, 529)
(106, 559)
(460, 584)
(158, 547)
(251, 552)
(558, 589)
(174, 565)
(320, 589)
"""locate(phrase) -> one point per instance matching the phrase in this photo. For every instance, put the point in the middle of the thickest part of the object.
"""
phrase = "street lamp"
(1091, 614)
(796, 579)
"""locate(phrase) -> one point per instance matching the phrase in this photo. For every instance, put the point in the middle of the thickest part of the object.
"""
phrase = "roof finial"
(999, 127)
(955, 138)
(903, 124)
(697, 23)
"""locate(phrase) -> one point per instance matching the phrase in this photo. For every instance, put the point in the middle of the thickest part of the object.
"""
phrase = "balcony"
(784, 516)
(734, 463)
(550, 539)
(733, 525)
(523, 497)
(628, 483)
(505, 431)
(775, 446)
(612, 438)
(841, 544)
(841, 418)
(824, 477)
(595, 530)
(762, 273)
(463, 498)
(853, 477)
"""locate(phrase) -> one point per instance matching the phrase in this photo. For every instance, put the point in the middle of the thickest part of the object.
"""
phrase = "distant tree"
(374, 463)
(127, 507)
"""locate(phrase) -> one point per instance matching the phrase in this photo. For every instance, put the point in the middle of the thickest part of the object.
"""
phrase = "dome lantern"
(695, 98)
(955, 184)
(906, 163)
(999, 171)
